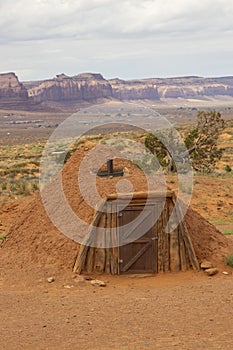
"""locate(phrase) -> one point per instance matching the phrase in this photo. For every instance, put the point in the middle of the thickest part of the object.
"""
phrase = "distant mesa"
(12, 91)
(91, 87)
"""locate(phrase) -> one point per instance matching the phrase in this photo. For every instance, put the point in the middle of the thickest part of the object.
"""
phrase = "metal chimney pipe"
(110, 167)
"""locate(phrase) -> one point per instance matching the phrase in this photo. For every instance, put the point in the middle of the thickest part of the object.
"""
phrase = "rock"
(13, 94)
(171, 92)
(98, 283)
(133, 90)
(83, 87)
(11, 88)
(68, 286)
(50, 279)
(211, 272)
(88, 278)
(213, 90)
(91, 87)
(206, 265)
(225, 273)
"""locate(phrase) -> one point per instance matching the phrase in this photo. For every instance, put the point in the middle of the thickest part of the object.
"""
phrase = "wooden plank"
(155, 255)
(174, 252)
(166, 258)
(160, 242)
(114, 265)
(136, 257)
(99, 260)
(88, 241)
(137, 202)
(187, 240)
(183, 259)
(136, 224)
(108, 239)
(80, 260)
(90, 260)
(190, 249)
(154, 239)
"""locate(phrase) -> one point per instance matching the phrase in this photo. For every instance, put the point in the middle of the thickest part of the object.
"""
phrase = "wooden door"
(140, 255)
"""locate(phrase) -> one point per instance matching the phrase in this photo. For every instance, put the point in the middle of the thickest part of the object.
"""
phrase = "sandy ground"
(173, 311)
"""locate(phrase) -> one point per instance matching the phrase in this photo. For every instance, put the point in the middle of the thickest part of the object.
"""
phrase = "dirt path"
(180, 311)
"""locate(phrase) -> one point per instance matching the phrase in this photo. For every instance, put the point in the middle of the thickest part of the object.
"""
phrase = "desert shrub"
(229, 260)
(227, 232)
(35, 186)
(20, 188)
(228, 168)
(4, 186)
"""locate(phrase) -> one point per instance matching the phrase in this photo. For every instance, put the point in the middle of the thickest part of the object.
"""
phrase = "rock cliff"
(133, 90)
(11, 88)
(83, 87)
(91, 87)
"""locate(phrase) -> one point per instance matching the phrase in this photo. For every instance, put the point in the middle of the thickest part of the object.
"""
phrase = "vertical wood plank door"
(140, 255)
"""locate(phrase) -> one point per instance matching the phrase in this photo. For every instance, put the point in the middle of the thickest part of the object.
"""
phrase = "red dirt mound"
(35, 240)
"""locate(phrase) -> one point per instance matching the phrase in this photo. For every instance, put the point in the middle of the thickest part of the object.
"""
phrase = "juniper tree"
(202, 141)
(200, 144)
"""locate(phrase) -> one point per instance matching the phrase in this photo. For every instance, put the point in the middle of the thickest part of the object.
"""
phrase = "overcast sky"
(118, 38)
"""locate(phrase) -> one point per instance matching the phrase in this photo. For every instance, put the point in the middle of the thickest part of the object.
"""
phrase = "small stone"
(88, 278)
(206, 265)
(68, 287)
(225, 273)
(50, 279)
(98, 283)
(211, 272)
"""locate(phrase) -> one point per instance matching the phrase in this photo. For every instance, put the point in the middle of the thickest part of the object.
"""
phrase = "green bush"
(228, 168)
(229, 260)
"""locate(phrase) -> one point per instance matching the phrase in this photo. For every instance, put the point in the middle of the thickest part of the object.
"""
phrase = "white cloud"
(24, 19)
(39, 37)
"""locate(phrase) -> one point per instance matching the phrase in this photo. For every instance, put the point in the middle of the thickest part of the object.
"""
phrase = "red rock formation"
(215, 89)
(11, 88)
(170, 92)
(91, 87)
(83, 87)
(230, 90)
(134, 90)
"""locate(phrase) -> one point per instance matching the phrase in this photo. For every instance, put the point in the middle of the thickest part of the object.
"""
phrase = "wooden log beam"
(140, 195)
(187, 239)
(87, 242)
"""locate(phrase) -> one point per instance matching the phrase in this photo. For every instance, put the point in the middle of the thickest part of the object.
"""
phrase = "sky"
(117, 38)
